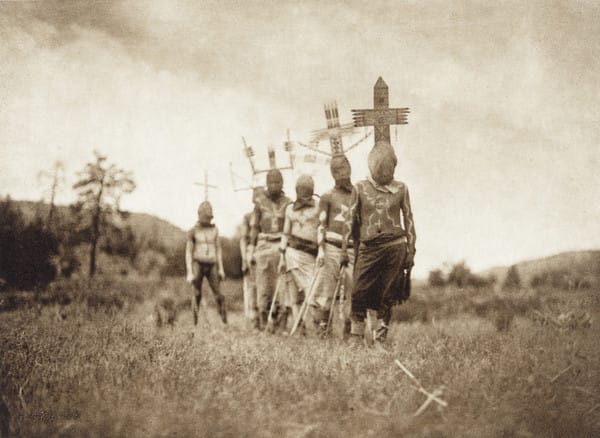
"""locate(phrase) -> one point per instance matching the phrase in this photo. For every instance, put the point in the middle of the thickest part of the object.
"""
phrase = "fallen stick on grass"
(408, 373)
(555, 378)
(433, 395)
(22, 399)
(596, 406)
(430, 396)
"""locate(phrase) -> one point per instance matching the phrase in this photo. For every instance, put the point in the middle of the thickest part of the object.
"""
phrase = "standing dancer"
(203, 258)
(333, 214)
(299, 245)
(381, 217)
(265, 238)
(381, 222)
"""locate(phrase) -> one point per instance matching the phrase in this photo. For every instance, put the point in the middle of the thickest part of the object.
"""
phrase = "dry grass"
(103, 369)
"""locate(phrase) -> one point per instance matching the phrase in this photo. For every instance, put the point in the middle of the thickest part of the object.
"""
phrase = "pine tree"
(100, 188)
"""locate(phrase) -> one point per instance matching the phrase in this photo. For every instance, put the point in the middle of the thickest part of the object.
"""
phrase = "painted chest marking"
(343, 214)
(382, 207)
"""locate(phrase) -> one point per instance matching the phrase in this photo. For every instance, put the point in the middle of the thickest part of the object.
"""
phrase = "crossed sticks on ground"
(431, 396)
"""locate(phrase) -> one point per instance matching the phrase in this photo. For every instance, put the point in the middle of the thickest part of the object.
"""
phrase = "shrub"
(559, 279)
(513, 279)
(175, 262)
(436, 278)
(232, 258)
(26, 250)
(459, 275)
(478, 281)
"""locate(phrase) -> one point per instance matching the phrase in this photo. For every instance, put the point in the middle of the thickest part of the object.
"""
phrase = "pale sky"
(501, 153)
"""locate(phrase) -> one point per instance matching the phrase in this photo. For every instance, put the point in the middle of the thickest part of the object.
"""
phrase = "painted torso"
(304, 221)
(270, 214)
(204, 240)
(336, 204)
(380, 209)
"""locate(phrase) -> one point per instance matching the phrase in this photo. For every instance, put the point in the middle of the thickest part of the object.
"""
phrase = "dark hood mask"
(382, 163)
(305, 188)
(205, 213)
(274, 184)
(341, 172)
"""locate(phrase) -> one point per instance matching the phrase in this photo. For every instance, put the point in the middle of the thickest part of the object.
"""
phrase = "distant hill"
(578, 265)
(144, 226)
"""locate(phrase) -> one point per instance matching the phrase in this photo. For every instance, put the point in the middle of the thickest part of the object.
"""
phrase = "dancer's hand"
(344, 260)
(320, 258)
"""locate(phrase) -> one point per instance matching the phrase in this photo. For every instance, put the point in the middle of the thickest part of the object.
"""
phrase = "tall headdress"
(382, 158)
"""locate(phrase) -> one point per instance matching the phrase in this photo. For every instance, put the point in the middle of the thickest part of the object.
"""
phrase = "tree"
(63, 225)
(513, 279)
(100, 187)
(57, 179)
(459, 274)
(436, 278)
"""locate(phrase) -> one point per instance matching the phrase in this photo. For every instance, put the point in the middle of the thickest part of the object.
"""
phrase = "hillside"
(149, 226)
(144, 226)
(577, 265)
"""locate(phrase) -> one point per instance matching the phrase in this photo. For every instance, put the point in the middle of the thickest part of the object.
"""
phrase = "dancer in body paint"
(381, 220)
(203, 257)
(299, 245)
(333, 215)
(265, 238)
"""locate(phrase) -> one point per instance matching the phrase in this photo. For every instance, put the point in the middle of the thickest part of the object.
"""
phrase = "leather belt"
(269, 237)
(377, 241)
(303, 245)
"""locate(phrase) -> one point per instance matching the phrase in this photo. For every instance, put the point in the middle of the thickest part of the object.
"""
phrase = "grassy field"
(90, 361)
